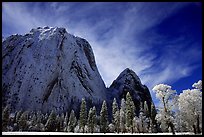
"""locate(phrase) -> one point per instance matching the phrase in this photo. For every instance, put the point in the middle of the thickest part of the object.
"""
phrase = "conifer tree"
(57, 123)
(90, 121)
(129, 112)
(23, 121)
(143, 119)
(135, 125)
(5, 118)
(117, 121)
(146, 109)
(39, 117)
(122, 116)
(51, 122)
(94, 118)
(104, 118)
(152, 118)
(65, 124)
(32, 122)
(62, 122)
(45, 118)
(72, 122)
(18, 115)
(114, 110)
(83, 115)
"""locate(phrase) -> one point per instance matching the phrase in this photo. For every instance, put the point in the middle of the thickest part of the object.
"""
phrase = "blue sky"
(160, 41)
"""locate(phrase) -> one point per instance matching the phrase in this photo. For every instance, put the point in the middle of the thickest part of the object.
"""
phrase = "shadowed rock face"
(48, 69)
(128, 81)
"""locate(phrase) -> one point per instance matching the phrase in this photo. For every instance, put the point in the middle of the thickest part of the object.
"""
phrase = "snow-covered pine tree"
(152, 119)
(122, 116)
(57, 123)
(18, 115)
(114, 110)
(94, 118)
(5, 118)
(39, 117)
(62, 122)
(148, 119)
(142, 121)
(76, 129)
(45, 118)
(129, 113)
(90, 121)
(65, 123)
(115, 116)
(72, 122)
(23, 121)
(104, 118)
(32, 122)
(51, 122)
(83, 115)
(117, 121)
(135, 125)
(146, 109)
(111, 128)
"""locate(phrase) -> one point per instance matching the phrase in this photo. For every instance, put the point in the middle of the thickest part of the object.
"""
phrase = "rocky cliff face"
(128, 81)
(48, 69)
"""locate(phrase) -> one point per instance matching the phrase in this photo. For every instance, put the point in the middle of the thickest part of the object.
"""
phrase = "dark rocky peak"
(128, 81)
(128, 77)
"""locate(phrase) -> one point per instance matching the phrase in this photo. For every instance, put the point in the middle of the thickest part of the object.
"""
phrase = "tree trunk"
(194, 129)
(172, 128)
(198, 123)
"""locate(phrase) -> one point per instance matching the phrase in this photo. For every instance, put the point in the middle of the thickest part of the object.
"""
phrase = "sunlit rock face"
(49, 69)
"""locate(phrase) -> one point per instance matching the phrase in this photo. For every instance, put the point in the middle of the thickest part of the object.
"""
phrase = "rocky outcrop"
(48, 69)
(128, 81)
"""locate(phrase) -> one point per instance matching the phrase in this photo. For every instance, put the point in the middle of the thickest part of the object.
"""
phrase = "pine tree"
(135, 125)
(117, 121)
(39, 117)
(122, 116)
(144, 120)
(5, 118)
(94, 118)
(62, 122)
(57, 123)
(18, 115)
(114, 110)
(51, 122)
(129, 112)
(72, 122)
(90, 121)
(23, 121)
(146, 109)
(83, 115)
(32, 123)
(65, 122)
(45, 118)
(104, 118)
(152, 118)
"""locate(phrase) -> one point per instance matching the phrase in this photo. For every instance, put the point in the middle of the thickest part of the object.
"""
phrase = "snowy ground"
(66, 133)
